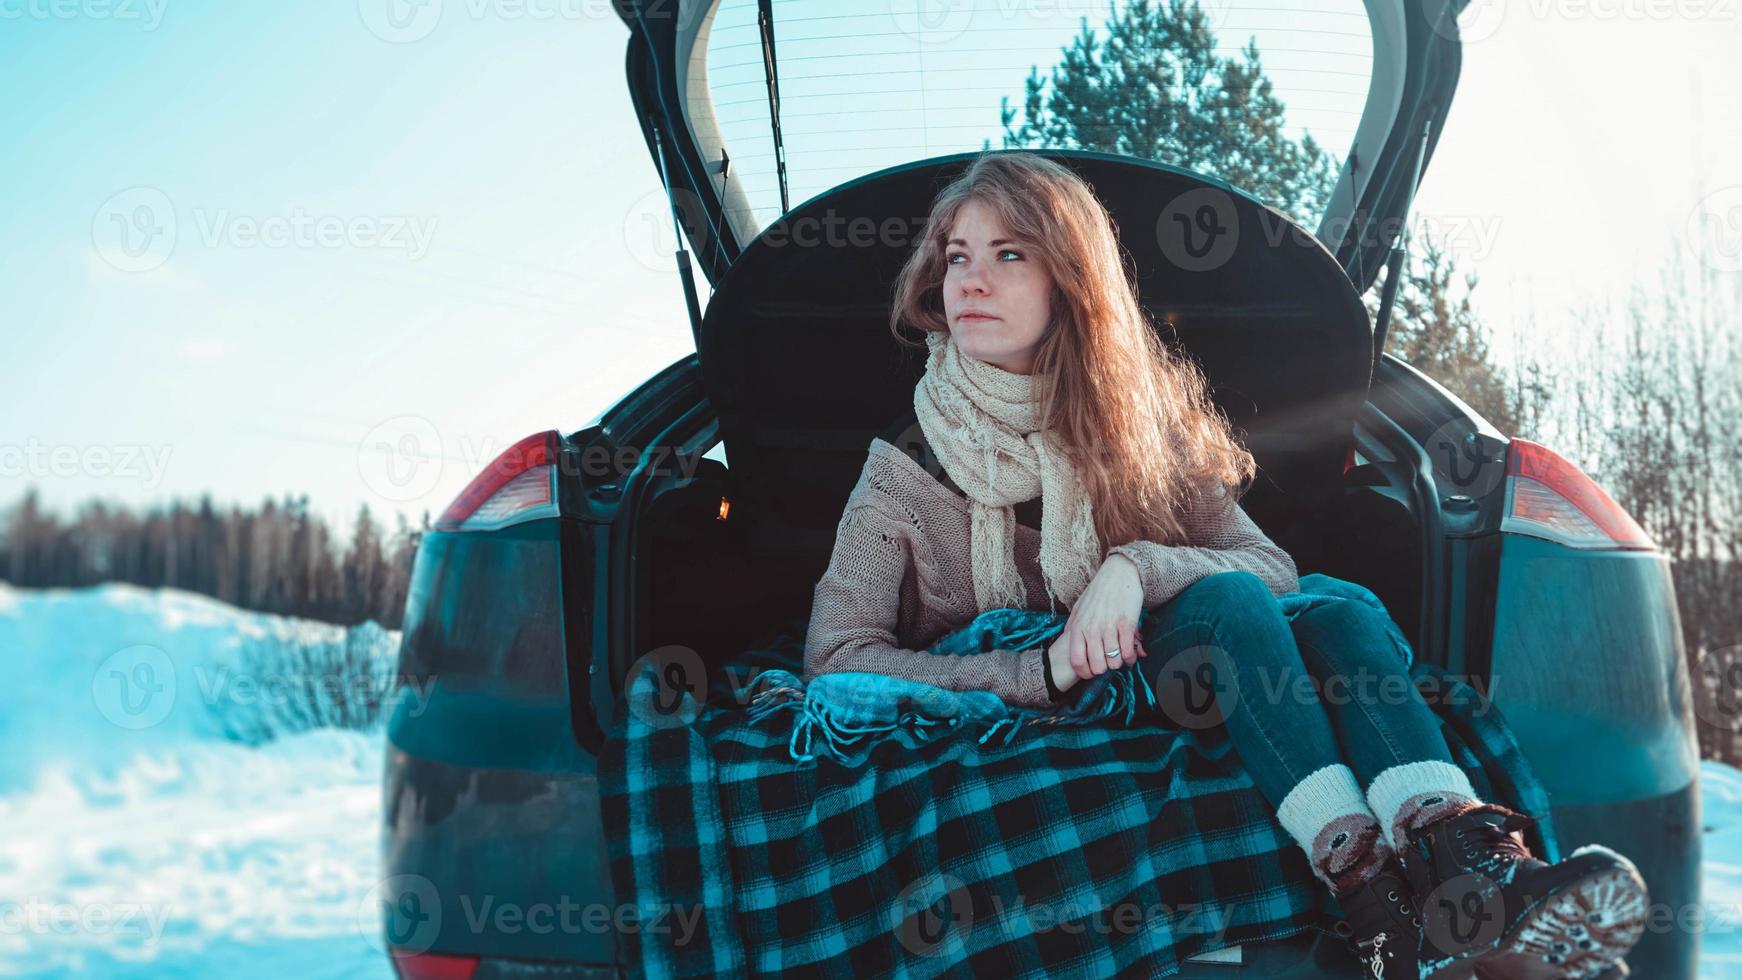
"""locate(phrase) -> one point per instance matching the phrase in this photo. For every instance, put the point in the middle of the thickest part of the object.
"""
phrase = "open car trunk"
(801, 373)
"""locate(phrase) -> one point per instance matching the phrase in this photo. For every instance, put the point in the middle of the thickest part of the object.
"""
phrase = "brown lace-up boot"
(1486, 902)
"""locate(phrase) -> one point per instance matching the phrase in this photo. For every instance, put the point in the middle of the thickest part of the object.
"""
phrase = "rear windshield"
(1266, 95)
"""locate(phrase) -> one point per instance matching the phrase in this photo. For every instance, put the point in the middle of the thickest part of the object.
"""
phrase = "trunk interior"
(702, 583)
(801, 372)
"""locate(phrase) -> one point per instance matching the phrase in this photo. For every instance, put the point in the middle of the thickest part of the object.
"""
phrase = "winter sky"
(444, 228)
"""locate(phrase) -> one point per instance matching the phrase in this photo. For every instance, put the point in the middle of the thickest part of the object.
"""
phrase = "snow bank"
(188, 789)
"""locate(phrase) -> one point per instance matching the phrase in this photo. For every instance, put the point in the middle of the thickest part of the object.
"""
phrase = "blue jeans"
(1295, 695)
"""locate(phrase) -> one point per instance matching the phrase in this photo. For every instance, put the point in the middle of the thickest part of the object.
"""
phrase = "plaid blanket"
(766, 828)
(845, 715)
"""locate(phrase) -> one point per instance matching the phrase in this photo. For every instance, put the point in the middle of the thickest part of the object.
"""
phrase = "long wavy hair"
(1132, 413)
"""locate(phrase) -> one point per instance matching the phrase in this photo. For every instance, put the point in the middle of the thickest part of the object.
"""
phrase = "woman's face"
(997, 295)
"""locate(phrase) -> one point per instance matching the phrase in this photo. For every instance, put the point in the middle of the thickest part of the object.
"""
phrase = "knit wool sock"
(1328, 817)
(1415, 794)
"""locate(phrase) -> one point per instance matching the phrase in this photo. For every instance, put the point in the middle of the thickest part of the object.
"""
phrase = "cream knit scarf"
(983, 424)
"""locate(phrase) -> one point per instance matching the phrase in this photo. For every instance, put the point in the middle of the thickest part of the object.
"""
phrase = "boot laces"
(1496, 839)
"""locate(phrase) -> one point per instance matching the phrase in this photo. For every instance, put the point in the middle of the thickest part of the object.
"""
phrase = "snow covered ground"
(1721, 867)
(175, 803)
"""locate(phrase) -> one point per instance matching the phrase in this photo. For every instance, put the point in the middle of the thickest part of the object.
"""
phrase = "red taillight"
(1552, 498)
(518, 485)
(433, 966)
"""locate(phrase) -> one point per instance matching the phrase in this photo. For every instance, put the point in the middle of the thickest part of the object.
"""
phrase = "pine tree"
(1437, 332)
(363, 567)
(1154, 87)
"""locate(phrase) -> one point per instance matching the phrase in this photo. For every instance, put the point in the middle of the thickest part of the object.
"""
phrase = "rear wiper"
(1399, 249)
(771, 76)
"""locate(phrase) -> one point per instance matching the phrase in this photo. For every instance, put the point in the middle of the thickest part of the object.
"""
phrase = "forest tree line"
(277, 558)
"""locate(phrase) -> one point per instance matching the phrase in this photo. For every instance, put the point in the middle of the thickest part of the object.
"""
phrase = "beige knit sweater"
(899, 580)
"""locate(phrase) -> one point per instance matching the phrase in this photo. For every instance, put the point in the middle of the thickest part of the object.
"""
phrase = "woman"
(1078, 460)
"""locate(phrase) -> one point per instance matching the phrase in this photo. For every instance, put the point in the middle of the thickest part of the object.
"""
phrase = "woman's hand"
(1104, 617)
